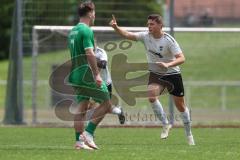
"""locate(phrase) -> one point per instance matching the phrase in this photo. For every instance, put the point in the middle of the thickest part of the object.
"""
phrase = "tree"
(128, 13)
(64, 12)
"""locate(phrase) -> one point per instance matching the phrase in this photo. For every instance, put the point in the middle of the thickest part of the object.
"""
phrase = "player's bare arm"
(180, 59)
(93, 64)
(120, 31)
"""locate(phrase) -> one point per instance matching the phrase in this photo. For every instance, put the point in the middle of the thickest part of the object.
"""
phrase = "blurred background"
(209, 39)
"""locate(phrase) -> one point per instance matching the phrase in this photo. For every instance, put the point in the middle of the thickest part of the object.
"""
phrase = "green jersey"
(81, 78)
(80, 38)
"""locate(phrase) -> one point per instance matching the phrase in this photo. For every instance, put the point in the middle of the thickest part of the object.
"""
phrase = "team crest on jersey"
(161, 48)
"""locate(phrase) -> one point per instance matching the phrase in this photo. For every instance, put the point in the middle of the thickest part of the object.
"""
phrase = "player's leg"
(153, 92)
(100, 95)
(177, 92)
(116, 109)
(171, 110)
(91, 107)
(98, 114)
(185, 115)
(79, 120)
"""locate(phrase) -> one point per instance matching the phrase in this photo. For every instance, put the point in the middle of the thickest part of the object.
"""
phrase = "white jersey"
(102, 55)
(163, 49)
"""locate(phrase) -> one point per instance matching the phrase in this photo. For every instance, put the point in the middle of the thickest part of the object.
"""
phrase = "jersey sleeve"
(88, 39)
(175, 48)
(101, 54)
(140, 35)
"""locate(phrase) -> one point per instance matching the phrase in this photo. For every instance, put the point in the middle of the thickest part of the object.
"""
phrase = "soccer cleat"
(190, 140)
(121, 116)
(81, 145)
(165, 131)
(88, 139)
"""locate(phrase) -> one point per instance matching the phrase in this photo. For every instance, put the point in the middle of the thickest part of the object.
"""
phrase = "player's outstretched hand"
(113, 22)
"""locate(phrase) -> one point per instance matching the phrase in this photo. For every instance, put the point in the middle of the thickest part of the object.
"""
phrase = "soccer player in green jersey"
(85, 77)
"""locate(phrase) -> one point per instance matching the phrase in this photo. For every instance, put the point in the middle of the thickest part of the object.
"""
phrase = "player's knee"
(152, 99)
(180, 106)
(109, 105)
(179, 103)
(181, 109)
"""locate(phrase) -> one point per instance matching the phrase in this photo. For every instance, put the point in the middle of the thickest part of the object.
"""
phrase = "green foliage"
(6, 9)
(128, 13)
(52, 12)
(62, 12)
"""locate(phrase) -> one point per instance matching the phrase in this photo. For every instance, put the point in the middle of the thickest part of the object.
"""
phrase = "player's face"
(153, 26)
(92, 17)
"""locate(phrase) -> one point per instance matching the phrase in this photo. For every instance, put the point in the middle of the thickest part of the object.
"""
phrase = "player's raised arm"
(120, 31)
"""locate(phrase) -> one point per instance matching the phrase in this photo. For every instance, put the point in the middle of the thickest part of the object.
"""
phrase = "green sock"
(91, 128)
(77, 135)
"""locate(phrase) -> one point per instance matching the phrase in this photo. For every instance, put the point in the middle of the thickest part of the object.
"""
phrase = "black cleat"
(121, 117)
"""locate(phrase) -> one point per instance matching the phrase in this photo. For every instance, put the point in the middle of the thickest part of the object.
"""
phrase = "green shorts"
(98, 94)
(85, 86)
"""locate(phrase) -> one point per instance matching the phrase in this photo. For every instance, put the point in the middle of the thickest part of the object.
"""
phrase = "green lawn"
(118, 144)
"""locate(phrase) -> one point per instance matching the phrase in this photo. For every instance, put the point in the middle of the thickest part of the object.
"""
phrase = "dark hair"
(156, 17)
(85, 7)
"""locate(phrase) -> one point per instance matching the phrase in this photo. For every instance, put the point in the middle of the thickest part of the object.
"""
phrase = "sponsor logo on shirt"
(156, 53)
(161, 48)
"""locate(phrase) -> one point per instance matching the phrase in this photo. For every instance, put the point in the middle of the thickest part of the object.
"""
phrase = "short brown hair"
(85, 7)
(156, 17)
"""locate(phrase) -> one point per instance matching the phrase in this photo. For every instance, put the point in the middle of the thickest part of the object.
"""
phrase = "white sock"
(171, 111)
(159, 112)
(186, 121)
(116, 110)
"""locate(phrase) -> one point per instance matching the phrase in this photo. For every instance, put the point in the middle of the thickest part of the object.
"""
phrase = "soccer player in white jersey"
(164, 57)
(102, 63)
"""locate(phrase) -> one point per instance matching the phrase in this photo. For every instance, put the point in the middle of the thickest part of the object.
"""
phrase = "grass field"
(119, 143)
